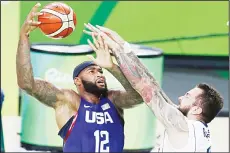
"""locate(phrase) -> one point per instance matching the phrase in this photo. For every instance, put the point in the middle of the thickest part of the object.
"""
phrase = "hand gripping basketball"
(30, 24)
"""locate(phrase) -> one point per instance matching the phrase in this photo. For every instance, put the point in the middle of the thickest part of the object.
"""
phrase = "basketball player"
(92, 119)
(186, 128)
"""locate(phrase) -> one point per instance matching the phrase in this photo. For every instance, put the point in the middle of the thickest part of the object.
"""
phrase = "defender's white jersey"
(199, 140)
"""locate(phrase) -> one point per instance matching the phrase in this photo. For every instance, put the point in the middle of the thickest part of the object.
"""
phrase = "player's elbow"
(28, 88)
(136, 97)
(25, 87)
(138, 100)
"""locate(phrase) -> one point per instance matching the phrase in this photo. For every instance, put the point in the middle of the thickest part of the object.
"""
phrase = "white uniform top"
(199, 140)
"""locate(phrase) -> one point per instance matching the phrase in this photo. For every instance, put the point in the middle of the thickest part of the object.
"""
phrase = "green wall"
(153, 23)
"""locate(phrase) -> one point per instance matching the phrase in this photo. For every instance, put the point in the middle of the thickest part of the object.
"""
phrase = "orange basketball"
(57, 21)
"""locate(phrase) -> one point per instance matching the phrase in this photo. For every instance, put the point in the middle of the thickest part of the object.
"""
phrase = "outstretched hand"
(110, 37)
(103, 58)
(30, 24)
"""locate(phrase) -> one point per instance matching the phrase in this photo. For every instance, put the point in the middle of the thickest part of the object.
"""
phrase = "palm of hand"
(104, 59)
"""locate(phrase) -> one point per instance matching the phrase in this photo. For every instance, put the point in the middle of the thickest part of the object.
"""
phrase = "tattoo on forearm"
(23, 64)
(116, 72)
(131, 96)
(145, 84)
(138, 75)
(42, 90)
(135, 72)
(169, 116)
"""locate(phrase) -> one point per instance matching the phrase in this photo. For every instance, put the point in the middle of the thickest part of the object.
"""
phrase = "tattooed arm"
(145, 84)
(123, 99)
(44, 91)
(141, 80)
(127, 98)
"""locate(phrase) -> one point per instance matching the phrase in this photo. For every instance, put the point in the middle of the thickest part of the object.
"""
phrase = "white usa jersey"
(198, 141)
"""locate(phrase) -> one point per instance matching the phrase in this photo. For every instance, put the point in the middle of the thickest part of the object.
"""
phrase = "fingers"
(34, 10)
(91, 57)
(106, 30)
(36, 6)
(92, 45)
(94, 28)
(97, 30)
(95, 41)
(111, 52)
(106, 48)
(89, 33)
(35, 14)
(33, 23)
(107, 40)
(28, 33)
(100, 42)
(90, 27)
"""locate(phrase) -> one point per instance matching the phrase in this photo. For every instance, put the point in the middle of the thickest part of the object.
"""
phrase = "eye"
(186, 95)
(91, 71)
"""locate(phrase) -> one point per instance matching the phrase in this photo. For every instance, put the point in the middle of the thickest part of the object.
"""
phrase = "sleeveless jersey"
(95, 128)
(199, 139)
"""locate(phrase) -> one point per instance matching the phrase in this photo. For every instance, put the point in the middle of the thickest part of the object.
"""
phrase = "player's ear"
(77, 81)
(196, 110)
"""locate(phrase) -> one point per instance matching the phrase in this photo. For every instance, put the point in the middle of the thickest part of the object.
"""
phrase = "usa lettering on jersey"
(98, 117)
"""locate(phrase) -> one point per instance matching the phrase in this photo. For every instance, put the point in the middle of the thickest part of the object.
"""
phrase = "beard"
(184, 111)
(92, 88)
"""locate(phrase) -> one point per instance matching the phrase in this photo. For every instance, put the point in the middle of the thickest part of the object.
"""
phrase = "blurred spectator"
(2, 99)
(1, 130)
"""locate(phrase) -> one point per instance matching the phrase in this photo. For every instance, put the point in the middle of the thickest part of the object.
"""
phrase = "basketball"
(57, 21)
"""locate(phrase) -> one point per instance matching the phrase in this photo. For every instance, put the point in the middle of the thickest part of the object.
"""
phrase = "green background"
(152, 21)
(135, 21)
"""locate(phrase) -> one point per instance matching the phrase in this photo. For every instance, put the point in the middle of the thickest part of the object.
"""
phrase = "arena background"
(192, 35)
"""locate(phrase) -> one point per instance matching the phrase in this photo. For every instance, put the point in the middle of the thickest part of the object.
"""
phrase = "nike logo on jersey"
(98, 117)
(86, 106)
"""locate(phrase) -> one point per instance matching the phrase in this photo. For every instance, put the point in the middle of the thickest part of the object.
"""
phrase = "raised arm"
(124, 99)
(142, 81)
(145, 84)
(44, 91)
(127, 98)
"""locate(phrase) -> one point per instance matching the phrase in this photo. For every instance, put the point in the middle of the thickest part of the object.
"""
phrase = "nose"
(99, 75)
(180, 98)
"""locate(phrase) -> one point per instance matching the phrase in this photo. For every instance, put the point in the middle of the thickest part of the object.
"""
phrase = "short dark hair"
(81, 67)
(212, 102)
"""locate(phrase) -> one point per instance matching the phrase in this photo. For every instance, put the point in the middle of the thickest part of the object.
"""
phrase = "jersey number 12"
(100, 145)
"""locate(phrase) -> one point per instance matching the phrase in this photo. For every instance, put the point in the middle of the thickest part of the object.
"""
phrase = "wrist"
(23, 34)
(112, 67)
(122, 43)
(126, 47)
